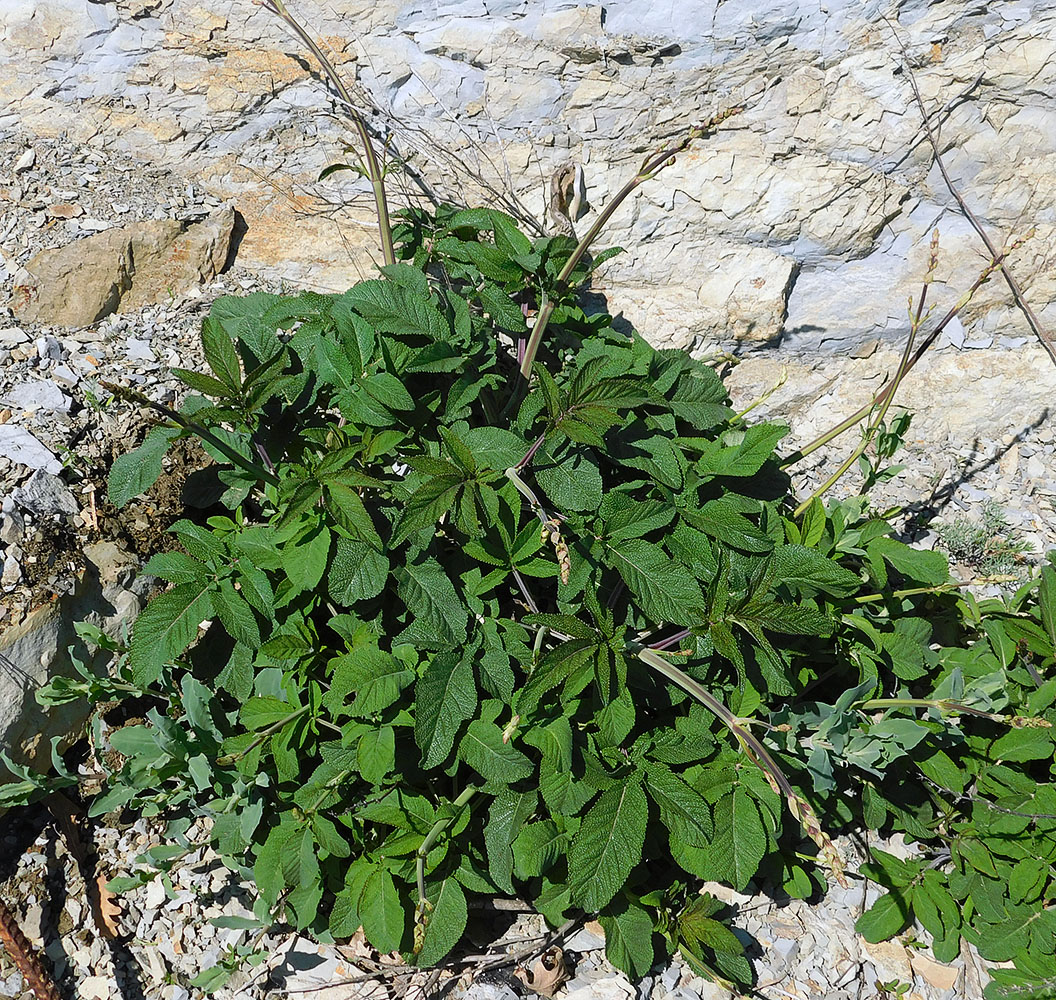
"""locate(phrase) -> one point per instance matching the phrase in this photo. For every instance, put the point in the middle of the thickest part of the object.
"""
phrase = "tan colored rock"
(64, 210)
(121, 269)
(717, 290)
(942, 977)
(890, 959)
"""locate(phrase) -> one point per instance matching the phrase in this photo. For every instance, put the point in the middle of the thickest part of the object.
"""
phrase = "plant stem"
(262, 736)
(374, 172)
(941, 588)
(881, 408)
(650, 168)
(132, 396)
(431, 837)
(754, 750)
(526, 491)
(858, 415)
(947, 705)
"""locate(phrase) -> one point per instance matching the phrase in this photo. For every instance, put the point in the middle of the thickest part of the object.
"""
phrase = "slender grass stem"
(427, 845)
(753, 749)
(881, 408)
(262, 736)
(863, 412)
(948, 705)
(132, 396)
(652, 165)
(374, 172)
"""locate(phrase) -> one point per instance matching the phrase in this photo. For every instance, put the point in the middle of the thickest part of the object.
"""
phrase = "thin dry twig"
(25, 957)
(933, 139)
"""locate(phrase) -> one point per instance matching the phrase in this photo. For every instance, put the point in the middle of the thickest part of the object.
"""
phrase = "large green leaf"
(683, 810)
(665, 591)
(506, 816)
(740, 839)
(447, 921)
(138, 470)
(573, 483)
(445, 696)
(807, 572)
(392, 308)
(885, 918)
(483, 749)
(167, 627)
(220, 354)
(741, 452)
(608, 845)
(628, 937)
(537, 848)
(438, 616)
(381, 912)
(357, 572)
(374, 676)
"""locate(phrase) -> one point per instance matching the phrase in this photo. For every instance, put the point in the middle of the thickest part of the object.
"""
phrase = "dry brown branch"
(23, 955)
(933, 140)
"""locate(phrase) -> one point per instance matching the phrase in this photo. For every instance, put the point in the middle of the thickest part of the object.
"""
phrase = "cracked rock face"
(804, 221)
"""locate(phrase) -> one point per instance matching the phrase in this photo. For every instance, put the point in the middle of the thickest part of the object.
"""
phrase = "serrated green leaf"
(506, 816)
(357, 572)
(376, 753)
(886, 917)
(134, 473)
(722, 521)
(202, 383)
(235, 614)
(445, 697)
(483, 749)
(438, 616)
(664, 590)
(374, 676)
(683, 810)
(381, 912)
(220, 354)
(608, 845)
(740, 839)
(1023, 744)
(744, 456)
(807, 572)
(176, 567)
(392, 308)
(626, 518)
(537, 848)
(943, 771)
(166, 628)
(928, 567)
(573, 483)
(447, 921)
(628, 937)
(304, 560)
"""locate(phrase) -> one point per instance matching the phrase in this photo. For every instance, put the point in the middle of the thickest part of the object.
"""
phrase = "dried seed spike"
(933, 258)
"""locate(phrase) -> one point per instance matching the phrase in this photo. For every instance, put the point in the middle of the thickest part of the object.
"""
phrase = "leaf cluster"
(399, 661)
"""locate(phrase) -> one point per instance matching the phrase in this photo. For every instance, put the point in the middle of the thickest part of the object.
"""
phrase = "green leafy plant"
(989, 544)
(502, 601)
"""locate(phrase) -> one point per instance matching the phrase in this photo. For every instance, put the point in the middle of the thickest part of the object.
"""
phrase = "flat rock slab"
(18, 445)
(121, 270)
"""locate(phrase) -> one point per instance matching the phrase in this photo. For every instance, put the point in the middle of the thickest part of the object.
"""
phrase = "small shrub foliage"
(564, 639)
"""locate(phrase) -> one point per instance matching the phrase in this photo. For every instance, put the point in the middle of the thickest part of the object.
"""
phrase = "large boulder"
(37, 650)
(121, 269)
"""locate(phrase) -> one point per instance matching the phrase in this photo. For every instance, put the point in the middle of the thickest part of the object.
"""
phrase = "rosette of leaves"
(416, 685)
